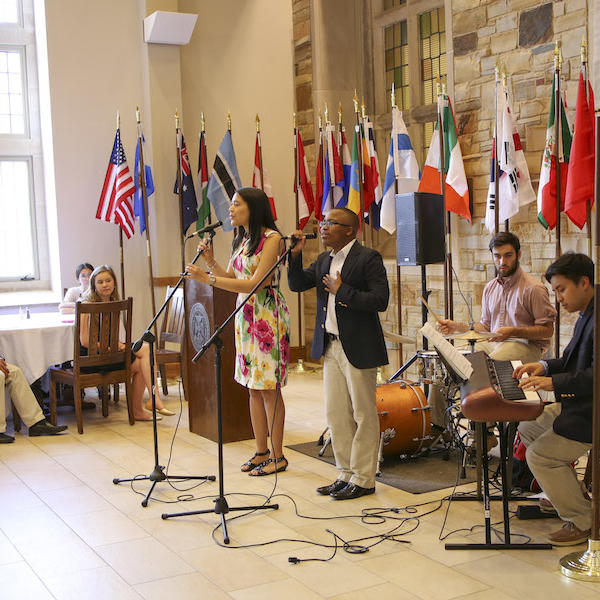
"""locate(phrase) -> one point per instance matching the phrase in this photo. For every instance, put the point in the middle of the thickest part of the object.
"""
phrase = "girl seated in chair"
(103, 288)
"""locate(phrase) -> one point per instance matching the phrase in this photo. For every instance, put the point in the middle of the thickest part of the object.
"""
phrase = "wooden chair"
(171, 332)
(104, 364)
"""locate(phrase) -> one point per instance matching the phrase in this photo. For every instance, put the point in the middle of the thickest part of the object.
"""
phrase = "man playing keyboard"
(563, 432)
(515, 307)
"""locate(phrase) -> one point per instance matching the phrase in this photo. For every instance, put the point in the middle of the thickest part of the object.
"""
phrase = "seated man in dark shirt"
(22, 397)
(563, 432)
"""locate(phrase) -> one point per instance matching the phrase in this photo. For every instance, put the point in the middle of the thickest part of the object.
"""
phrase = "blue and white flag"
(224, 181)
(402, 167)
(138, 200)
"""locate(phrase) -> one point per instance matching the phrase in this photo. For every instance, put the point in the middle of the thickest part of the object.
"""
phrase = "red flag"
(265, 184)
(580, 182)
(306, 202)
(116, 199)
(319, 181)
(368, 189)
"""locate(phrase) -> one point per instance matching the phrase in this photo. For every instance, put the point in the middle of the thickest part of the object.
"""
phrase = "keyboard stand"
(489, 545)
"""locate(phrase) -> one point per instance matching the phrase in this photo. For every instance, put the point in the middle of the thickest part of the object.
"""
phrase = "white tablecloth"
(34, 344)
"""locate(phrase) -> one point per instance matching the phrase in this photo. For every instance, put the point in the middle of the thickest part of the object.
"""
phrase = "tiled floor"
(67, 532)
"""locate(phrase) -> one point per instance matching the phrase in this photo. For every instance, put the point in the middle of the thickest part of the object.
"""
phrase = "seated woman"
(82, 274)
(103, 288)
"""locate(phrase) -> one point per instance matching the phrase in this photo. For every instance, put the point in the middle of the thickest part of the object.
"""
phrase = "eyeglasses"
(330, 223)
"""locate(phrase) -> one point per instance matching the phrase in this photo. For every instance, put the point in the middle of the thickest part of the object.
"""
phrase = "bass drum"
(404, 418)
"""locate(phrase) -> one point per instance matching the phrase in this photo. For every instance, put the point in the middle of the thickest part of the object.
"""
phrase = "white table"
(34, 344)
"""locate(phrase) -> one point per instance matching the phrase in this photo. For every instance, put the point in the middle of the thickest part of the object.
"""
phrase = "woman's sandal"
(249, 465)
(259, 471)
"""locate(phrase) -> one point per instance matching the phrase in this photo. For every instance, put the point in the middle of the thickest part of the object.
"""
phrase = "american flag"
(116, 204)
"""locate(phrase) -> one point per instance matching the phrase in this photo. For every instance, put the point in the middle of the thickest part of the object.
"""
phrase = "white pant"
(22, 397)
(351, 409)
(549, 457)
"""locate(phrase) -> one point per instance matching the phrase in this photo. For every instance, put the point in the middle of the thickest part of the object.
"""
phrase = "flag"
(138, 201)
(204, 208)
(333, 182)
(346, 169)
(580, 182)
(319, 180)
(515, 183)
(402, 167)
(224, 181)
(189, 206)
(368, 190)
(546, 198)
(265, 184)
(457, 191)
(354, 179)
(306, 202)
(375, 176)
(115, 204)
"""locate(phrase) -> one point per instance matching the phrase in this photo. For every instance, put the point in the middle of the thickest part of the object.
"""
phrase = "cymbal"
(470, 335)
(399, 339)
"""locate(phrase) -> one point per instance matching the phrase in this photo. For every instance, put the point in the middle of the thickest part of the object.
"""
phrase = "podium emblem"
(199, 326)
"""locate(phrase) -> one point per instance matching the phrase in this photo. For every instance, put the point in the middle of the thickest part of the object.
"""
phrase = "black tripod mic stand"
(158, 473)
(221, 506)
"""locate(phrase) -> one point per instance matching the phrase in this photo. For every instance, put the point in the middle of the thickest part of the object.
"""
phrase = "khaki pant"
(498, 351)
(549, 457)
(351, 409)
(22, 397)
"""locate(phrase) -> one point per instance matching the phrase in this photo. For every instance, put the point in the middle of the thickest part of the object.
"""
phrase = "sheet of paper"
(454, 358)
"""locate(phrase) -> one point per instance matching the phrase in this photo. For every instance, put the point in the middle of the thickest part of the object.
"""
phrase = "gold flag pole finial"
(294, 117)
(583, 50)
(340, 113)
(176, 119)
(355, 100)
(118, 120)
(556, 55)
(497, 70)
(320, 121)
(228, 121)
(326, 114)
(393, 95)
(504, 75)
(438, 85)
(137, 115)
(363, 108)
(257, 123)
(202, 123)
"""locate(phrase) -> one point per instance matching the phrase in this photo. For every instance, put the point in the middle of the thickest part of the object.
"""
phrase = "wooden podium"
(205, 309)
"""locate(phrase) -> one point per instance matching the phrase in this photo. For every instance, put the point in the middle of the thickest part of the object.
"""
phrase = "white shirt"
(337, 262)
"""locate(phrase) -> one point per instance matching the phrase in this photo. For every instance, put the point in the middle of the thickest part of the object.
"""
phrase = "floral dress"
(262, 327)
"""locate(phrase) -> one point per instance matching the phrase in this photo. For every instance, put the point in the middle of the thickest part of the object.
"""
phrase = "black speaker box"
(420, 229)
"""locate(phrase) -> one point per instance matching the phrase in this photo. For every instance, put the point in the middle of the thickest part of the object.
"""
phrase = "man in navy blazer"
(352, 288)
(563, 432)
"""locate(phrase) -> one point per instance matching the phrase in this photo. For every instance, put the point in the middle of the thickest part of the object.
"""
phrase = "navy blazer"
(573, 380)
(363, 294)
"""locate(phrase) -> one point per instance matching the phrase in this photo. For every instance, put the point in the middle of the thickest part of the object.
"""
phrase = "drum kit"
(404, 413)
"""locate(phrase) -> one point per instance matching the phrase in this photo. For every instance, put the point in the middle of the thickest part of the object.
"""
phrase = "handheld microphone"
(207, 229)
(308, 236)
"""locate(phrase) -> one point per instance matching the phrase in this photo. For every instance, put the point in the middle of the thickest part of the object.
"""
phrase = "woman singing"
(262, 327)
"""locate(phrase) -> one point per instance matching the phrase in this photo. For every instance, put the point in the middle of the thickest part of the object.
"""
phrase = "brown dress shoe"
(569, 535)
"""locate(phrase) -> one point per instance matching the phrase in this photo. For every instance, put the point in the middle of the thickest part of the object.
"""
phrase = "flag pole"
(363, 114)
(588, 205)
(398, 268)
(299, 368)
(203, 154)
(260, 159)
(495, 153)
(121, 251)
(585, 565)
(331, 164)
(180, 188)
(142, 184)
(340, 128)
(558, 139)
(443, 193)
(505, 91)
(321, 159)
(361, 180)
(449, 233)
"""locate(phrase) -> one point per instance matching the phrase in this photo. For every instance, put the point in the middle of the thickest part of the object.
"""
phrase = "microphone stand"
(158, 473)
(221, 506)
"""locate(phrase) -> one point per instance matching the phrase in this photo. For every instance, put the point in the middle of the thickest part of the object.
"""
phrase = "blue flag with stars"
(189, 206)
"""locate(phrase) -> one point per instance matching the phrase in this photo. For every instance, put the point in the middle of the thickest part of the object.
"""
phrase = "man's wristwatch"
(212, 278)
